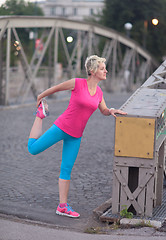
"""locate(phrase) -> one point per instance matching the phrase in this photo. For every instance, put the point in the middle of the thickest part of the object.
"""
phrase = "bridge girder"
(127, 62)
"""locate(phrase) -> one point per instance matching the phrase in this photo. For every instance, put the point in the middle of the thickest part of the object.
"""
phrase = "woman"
(86, 97)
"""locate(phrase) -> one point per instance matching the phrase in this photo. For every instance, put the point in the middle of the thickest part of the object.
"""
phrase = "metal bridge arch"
(127, 62)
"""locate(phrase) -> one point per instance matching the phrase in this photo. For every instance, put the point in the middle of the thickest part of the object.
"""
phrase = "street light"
(155, 21)
(69, 39)
(128, 26)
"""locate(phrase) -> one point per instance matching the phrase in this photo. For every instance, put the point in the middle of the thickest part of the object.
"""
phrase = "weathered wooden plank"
(128, 192)
(115, 193)
(123, 196)
(149, 198)
(141, 196)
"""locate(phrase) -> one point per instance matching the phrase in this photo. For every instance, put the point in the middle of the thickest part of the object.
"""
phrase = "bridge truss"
(128, 64)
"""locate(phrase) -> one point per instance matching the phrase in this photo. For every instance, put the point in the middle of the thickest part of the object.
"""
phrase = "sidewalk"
(16, 230)
(29, 184)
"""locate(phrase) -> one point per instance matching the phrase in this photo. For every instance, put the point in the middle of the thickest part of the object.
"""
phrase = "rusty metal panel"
(134, 137)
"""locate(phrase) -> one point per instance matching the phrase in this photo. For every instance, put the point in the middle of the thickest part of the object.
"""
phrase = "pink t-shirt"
(80, 108)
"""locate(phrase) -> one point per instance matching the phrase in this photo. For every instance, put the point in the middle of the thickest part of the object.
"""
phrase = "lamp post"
(128, 26)
(145, 33)
(155, 22)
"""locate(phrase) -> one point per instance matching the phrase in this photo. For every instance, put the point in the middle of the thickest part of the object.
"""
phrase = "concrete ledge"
(141, 222)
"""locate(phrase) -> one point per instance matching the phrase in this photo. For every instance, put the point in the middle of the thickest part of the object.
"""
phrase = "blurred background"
(138, 24)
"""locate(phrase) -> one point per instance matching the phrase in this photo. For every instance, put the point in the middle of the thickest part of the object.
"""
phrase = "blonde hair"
(92, 63)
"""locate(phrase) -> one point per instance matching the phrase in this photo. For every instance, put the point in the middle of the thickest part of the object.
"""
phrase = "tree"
(20, 7)
(139, 13)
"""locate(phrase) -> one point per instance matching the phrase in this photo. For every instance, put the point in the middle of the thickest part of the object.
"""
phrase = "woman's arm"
(107, 112)
(67, 85)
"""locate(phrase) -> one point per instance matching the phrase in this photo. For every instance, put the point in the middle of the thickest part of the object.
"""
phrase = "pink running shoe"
(42, 110)
(67, 211)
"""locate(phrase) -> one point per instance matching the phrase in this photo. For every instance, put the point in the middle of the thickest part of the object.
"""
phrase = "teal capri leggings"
(53, 135)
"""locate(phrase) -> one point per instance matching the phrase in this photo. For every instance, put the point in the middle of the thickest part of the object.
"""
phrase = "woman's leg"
(49, 138)
(71, 147)
(70, 150)
(36, 130)
(63, 190)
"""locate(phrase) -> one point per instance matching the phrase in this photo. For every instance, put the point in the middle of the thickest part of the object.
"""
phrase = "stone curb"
(141, 222)
(99, 211)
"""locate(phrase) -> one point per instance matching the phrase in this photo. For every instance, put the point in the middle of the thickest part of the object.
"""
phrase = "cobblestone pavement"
(29, 184)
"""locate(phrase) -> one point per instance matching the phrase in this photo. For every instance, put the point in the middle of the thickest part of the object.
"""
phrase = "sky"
(2, 1)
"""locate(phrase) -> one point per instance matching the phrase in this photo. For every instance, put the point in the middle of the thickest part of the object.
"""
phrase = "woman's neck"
(92, 85)
(92, 82)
